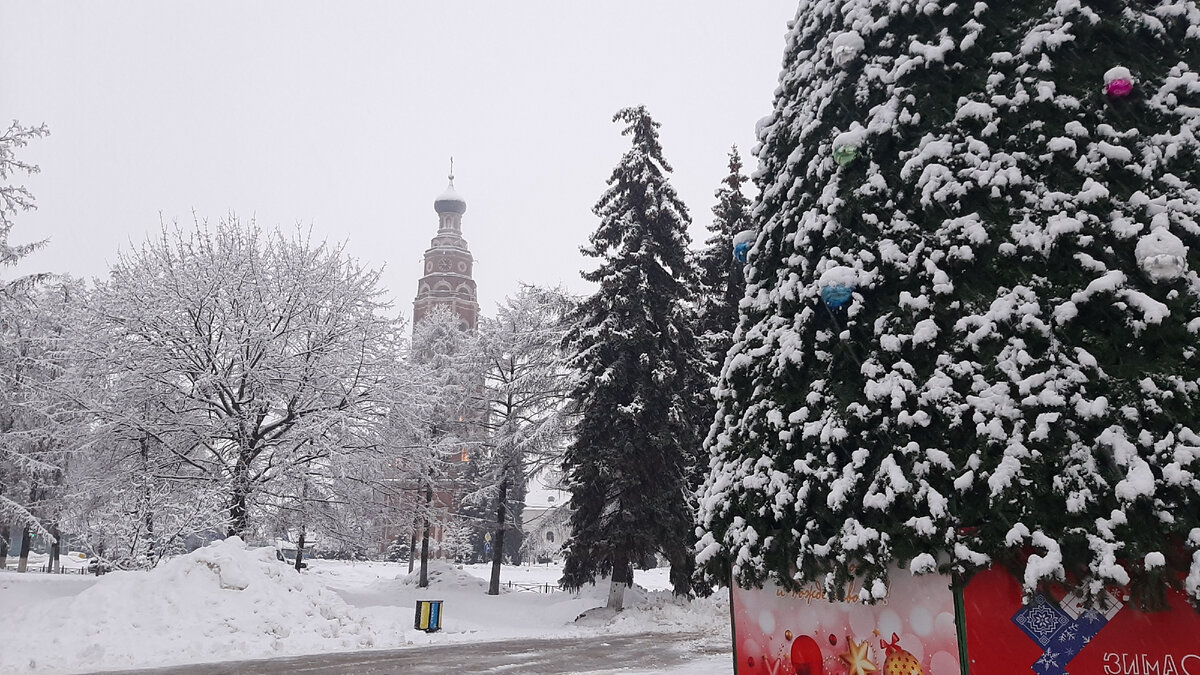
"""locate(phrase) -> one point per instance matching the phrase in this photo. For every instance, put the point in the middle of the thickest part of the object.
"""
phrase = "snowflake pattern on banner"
(1063, 631)
(1041, 621)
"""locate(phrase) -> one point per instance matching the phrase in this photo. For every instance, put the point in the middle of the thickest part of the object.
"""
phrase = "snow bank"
(224, 601)
(227, 602)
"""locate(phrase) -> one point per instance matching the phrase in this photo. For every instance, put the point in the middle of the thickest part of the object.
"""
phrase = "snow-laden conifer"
(639, 365)
(722, 283)
(972, 311)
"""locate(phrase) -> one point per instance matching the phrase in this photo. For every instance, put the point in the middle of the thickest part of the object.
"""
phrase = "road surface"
(650, 653)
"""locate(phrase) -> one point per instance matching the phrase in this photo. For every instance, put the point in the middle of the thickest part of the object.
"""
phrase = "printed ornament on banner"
(805, 655)
(1063, 630)
(897, 660)
(804, 632)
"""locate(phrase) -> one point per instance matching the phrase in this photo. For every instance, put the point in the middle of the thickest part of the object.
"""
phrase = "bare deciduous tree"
(269, 343)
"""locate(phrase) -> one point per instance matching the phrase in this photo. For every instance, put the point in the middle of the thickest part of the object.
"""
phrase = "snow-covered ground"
(227, 601)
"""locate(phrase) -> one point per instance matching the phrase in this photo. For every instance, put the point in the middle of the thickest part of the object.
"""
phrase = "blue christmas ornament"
(742, 242)
(740, 251)
(837, 286)
(837, 295)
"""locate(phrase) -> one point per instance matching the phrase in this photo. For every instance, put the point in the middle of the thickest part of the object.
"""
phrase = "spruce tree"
(973, 306)
(638, 363)
(722, 279)
(722, 284)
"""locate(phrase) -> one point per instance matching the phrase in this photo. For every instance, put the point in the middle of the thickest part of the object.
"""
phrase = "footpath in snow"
(230, 602)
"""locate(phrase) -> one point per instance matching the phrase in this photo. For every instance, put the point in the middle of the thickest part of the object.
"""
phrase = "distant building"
(546, 520)
(446, 282)
(448, 265)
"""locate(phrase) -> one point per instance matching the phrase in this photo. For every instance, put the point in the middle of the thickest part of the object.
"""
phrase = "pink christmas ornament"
(1119, 88)
(1118, 82)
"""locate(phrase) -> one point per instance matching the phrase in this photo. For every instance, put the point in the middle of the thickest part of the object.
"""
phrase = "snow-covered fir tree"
(972, 310)
(722, 285)
(639, 365)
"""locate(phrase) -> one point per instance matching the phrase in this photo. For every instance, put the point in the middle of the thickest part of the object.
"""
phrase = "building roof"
(450, 201)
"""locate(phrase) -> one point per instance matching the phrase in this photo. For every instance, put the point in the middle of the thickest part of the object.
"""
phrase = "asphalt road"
(603, 654)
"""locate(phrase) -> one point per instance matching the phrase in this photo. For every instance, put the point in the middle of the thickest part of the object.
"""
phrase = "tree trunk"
(621, 579)
(5, 533)
(55, 548)
(26, 535)
(147, 503)
(99, 558)
(412, 549)
(239, 519)
(26, 540)
(616, 595)
(151, 545)
(237, 512)
(498, 540)
(300, 550)
(424, 582)
(303, 511)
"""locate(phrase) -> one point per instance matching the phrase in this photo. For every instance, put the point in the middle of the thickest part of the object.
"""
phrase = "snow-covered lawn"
(227, 602)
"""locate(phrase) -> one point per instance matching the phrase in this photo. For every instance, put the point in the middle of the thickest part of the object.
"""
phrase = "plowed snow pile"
(221, 602)
(226, 602)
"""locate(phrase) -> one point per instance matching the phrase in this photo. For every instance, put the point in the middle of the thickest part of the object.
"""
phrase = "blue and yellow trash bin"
(429, 616)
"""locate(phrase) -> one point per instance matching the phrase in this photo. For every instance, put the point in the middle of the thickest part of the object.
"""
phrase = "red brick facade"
(448, 265)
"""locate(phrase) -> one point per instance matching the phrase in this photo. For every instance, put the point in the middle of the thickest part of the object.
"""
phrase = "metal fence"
(45, 569)
(534, 588)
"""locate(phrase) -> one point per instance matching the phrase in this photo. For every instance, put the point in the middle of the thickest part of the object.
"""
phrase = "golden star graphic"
(855, 658)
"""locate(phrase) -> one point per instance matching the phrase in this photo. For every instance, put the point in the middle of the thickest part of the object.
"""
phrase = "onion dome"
(450, 201)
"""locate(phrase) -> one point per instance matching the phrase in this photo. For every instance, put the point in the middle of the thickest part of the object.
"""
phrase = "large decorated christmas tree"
(971, 325)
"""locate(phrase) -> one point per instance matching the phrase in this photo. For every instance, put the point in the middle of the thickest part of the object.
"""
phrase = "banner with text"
(1057, 635)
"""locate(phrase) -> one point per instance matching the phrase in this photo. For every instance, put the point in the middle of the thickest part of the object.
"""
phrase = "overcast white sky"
(342, 116)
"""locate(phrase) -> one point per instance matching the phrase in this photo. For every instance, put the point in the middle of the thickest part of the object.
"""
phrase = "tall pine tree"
(722, 279)
(722, 285)
(639, 364)
(974, 305)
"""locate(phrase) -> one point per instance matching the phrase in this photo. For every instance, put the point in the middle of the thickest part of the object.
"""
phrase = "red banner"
(1057, 635)
(915, 632)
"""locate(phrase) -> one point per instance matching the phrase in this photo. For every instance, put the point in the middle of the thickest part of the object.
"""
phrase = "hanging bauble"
(1118, 82)
(845, 154)
(836, 296)
(837, 286)
(1161, 255)
(846, 47)
(847, 143)
(742, 241)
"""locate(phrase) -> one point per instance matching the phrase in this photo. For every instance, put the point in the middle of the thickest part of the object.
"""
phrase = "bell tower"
(448, 264)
